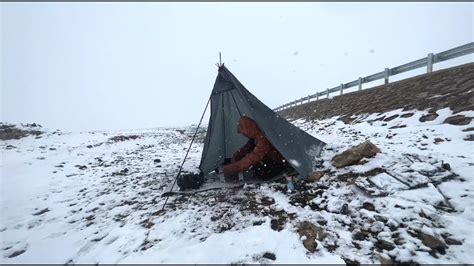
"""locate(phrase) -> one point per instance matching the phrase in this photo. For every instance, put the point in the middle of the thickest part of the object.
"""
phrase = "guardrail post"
(387, 74)
(342, 89)
(327, 93)
(429, 66)
(360, 83)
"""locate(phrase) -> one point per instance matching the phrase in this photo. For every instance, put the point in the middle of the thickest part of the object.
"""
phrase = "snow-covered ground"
(84, 198)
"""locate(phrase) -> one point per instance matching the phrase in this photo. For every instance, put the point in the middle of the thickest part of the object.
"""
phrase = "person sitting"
(258, 153)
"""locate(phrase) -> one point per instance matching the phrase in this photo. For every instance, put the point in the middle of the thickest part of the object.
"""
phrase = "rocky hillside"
(452, 87)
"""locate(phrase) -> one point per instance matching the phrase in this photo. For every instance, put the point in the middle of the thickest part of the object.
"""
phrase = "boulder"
(310, 233)
(458, 120)
(355, 154)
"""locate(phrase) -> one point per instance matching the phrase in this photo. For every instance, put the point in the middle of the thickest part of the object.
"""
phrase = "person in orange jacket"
(257, 153)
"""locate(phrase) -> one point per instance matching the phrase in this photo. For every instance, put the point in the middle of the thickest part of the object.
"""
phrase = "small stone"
(428, 117)
(41, 212)
(468, 129)
(380, 218)
(452, 241)
(359, 236)
(368, 206)
(469, 137)
(377, 227)
(315, 176)
(446, 166)
(430, 241)
(312, 233)
(157, 160)
(407, 115)
(268, 255)
(383, 244)
(438, 140)
(385, 260)
(345, 209)
(390, 118)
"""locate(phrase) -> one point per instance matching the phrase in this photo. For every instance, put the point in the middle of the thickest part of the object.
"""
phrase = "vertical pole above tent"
(220, 59)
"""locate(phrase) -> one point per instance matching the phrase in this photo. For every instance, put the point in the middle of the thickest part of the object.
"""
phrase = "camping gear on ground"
(190, 181)
(289, 185)
(213, 183)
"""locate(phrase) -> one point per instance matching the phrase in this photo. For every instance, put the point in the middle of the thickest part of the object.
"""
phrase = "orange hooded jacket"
(256, 149)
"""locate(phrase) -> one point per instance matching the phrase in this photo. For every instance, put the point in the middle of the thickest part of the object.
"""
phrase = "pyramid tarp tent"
(230, 100)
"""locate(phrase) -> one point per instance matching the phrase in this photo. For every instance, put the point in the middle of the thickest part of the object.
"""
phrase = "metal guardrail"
(427, 62)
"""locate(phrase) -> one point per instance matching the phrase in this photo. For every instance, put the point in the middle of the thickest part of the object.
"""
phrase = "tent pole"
(187, 153)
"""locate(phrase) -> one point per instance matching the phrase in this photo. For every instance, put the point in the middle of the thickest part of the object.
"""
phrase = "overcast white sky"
(100, 66)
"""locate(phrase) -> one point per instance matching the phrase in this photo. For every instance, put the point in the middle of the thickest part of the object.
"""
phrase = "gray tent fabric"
(230, 100)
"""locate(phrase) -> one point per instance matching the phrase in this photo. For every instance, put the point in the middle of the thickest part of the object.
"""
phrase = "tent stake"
(186, 156)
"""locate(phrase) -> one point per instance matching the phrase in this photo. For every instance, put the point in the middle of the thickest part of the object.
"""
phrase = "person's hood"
(248, 127)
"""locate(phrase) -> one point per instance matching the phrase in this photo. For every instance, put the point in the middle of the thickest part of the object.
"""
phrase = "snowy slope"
(84, 198)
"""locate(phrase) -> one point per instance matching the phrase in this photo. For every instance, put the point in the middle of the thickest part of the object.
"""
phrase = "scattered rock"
(345, 209)
(469, 137)
(452, 241)
(157, 161)
(468, 129)
(315, 176)
(355, 154)
(445, 166)
(267, 201)
(428, 117)
(368, 206)
(385, 260)
(16, 253)
(9, 147)
(81, 167)
(383, 244)
(41, 212)
(121, 172)
(359, 236)
(268, 255)
(390, 118)
(380, 218)
(438, 140)
(125, 138)
(431, 241)
(398, 126)
(311, 233)
(458, 120)
(407, 115)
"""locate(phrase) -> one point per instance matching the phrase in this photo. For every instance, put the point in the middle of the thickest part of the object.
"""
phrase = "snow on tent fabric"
(230, 100)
